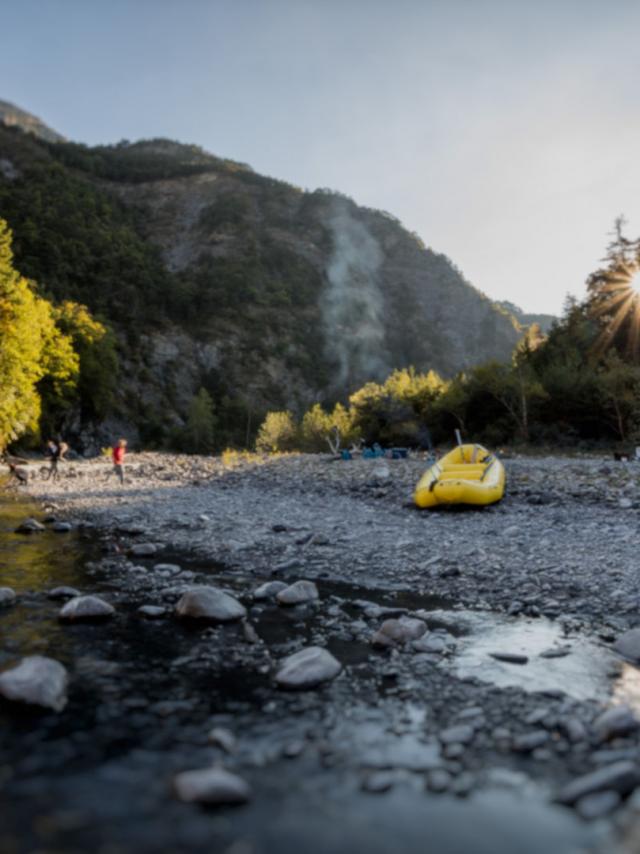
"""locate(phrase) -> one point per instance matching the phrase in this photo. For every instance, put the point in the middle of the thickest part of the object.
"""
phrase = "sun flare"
(619, 308)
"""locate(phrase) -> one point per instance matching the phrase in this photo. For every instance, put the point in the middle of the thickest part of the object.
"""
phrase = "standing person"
(117, 455)
(53, 452)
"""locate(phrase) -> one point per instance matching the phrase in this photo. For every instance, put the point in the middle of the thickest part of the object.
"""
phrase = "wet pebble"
(307, 668)
(210, 603)
(62, 527)
(36, 680)
(86, 608)
(211, 786)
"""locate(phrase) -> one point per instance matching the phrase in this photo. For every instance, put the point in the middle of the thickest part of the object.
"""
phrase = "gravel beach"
(467, 654)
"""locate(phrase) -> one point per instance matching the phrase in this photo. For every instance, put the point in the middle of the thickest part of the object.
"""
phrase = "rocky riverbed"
(458, 673)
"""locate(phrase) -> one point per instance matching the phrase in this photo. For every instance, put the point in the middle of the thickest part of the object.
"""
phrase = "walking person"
(117, 455)
(53, 452)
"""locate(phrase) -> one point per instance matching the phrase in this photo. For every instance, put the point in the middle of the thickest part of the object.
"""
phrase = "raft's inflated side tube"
(469, 474)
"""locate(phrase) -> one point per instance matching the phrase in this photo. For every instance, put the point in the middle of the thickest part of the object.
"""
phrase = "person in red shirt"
(117, 455)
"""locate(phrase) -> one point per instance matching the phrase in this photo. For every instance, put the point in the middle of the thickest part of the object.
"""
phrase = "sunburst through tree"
(614, 297)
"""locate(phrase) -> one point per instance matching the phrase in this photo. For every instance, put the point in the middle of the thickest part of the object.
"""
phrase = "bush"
(277, 432)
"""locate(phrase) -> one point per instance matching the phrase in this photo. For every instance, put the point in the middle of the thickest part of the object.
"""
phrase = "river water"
(144, 694)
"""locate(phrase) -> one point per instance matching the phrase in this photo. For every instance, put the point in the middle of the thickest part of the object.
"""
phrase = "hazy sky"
(506, 133)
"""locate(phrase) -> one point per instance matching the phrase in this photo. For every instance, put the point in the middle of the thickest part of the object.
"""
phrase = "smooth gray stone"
(30, 526)
(269, 590)
(86, 608)
(621, 777)
(378, 782)
(628, 644)
(143, 549)
(62, 527)
(210, 603)
(63, 593)
(307, 668)
(396, 632)
(211, 786)
(224, 738)
(7, 596)
(298, 593)
(461, 734)
(530, 741)
(152, 612)
(36, 680)
(598, 804)
(615, 722)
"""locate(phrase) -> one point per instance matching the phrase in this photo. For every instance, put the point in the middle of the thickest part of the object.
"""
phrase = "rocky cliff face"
(266, 295)
(368, 294)
(13, 116)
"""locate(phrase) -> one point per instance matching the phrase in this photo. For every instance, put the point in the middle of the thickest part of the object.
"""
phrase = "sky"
(505, 133)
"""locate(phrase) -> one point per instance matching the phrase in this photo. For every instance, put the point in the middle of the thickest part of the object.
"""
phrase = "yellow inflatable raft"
(470, 474)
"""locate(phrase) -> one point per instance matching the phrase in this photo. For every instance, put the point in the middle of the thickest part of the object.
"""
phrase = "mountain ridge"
(267, 295)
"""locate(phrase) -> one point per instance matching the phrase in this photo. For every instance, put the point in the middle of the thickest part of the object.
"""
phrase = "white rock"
(298, 593)
(36, 680)
(268, 590)
(210, 603)
(86, 608)
(307, 668)
(211, 786)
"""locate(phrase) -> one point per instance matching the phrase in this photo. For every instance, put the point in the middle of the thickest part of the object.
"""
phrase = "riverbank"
(437, 729)
(563, 541)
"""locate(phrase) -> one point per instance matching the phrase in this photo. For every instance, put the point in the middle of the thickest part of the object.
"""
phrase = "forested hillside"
(213, 277)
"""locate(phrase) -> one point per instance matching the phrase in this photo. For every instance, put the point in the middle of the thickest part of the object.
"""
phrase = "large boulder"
(311, 666)
(37, 680)
(210, 603)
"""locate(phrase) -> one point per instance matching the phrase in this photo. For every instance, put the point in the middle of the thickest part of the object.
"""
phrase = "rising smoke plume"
(353, 306)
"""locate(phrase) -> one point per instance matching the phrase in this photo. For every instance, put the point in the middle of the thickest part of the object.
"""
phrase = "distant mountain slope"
(13, 116)
(544, 321)
(215, 276)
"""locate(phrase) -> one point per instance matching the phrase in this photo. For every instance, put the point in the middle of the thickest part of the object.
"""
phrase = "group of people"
(57, 449)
